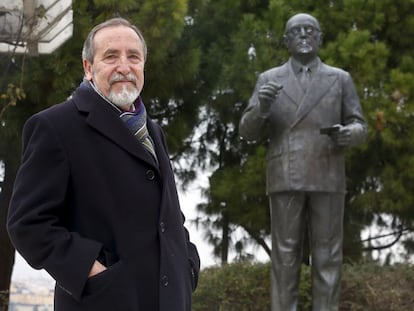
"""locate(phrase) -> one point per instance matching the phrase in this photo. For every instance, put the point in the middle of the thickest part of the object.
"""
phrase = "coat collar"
(105, 119)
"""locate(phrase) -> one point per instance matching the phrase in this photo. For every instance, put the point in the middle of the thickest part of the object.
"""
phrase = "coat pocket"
(107, 291)
(98, 283)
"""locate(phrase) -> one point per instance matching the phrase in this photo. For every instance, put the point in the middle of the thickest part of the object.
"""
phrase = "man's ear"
(87, 68)
(286, 40)
(320, 39)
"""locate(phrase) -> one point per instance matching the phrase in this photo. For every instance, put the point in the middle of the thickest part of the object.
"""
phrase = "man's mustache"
(120, 77)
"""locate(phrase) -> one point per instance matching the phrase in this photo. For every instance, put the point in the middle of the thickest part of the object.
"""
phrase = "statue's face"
(303, 37)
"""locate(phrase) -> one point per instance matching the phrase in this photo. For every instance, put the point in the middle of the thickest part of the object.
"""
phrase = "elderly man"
(310, 113)
(95, 202)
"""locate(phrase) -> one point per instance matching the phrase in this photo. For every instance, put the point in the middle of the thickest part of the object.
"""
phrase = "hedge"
(246, 287)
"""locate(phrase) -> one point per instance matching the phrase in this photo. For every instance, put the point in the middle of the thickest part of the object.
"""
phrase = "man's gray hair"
(88, 50)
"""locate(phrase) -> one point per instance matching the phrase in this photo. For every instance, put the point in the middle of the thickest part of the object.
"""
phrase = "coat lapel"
(291, 85)
(103, 118)
(319, 86)
(160, 148)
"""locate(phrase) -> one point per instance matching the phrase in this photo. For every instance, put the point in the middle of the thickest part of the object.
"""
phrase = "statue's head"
(303, 37)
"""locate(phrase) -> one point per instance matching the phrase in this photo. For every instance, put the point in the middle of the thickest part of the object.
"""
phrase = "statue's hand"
(267, 95)
(342, 137)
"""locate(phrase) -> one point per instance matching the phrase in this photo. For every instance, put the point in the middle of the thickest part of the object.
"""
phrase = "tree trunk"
(225, 238)
(11, 160)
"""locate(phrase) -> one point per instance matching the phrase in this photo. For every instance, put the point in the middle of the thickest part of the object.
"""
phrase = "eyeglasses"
(306, 29)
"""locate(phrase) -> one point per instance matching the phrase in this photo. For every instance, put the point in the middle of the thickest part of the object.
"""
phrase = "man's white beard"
(124, 98)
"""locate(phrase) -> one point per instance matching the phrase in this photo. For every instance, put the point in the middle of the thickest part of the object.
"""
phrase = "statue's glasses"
(303, 30)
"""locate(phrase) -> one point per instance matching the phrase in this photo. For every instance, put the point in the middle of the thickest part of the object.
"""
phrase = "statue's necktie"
(137, 124)
(304, 77)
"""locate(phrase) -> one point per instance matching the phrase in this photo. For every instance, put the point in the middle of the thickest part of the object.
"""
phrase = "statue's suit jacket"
(300, 158)
(85, 186)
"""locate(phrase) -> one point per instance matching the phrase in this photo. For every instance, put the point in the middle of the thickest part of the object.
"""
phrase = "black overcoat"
(88, 189)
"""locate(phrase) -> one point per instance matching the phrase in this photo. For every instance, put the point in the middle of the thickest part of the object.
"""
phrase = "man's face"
(303, 37)
(118, 65)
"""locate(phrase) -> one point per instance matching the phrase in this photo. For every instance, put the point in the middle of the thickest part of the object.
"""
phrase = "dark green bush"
(372, 287)
(234, 287)
(246, 287)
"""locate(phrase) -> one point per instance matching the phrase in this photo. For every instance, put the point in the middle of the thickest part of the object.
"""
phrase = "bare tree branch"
(398, 234)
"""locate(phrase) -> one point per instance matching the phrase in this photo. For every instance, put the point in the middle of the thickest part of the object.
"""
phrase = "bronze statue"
(310, 113)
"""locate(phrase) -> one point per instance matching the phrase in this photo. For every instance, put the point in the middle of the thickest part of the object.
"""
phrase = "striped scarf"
(137, 122)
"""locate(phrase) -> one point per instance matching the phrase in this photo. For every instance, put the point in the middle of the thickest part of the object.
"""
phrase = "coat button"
(162, 226)
(150, 174)
(164, 281)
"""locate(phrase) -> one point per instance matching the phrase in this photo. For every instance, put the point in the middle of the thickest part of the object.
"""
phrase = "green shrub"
(234, 287)
(246, 287)
(372, 287)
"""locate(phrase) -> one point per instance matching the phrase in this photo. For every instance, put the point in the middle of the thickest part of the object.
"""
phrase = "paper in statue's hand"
(329, 130)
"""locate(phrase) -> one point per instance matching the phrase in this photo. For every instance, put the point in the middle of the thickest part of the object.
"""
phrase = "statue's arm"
(253, 121)
(255, 116)
(353, 117)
